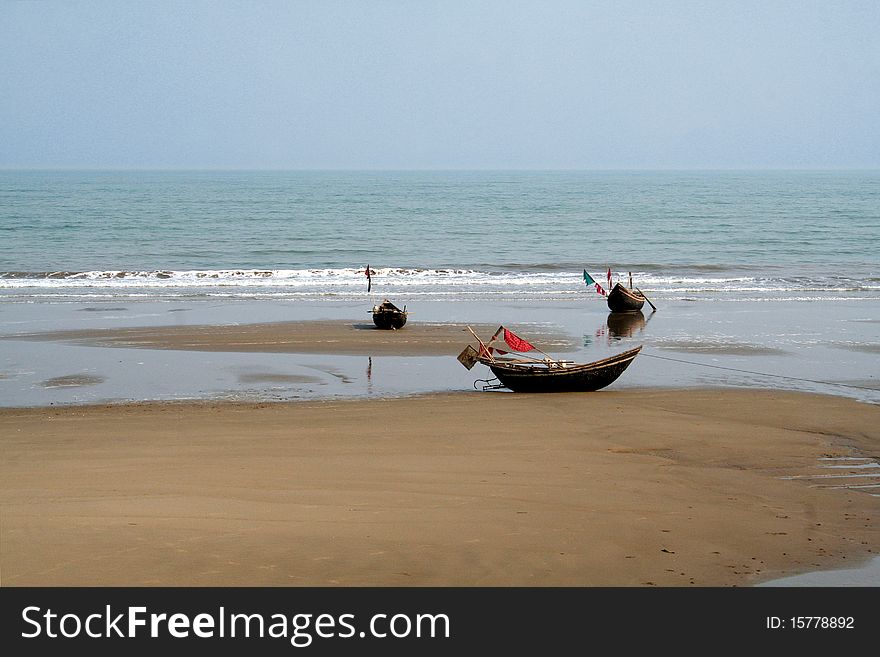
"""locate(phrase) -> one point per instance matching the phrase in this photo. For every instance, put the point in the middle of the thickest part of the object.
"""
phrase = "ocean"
(446, 235)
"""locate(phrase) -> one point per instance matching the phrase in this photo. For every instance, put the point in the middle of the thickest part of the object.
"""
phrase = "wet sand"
(308, 336)
(622, 488)
(72, 381)
(729, 348)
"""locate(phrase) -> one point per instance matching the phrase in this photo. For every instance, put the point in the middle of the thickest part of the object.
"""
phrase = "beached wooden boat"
(622, 299)
(527, 374)
(560, 376)
(388, 316)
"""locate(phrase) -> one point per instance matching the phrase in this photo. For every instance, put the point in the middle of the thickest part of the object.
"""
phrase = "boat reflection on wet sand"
(625, 325)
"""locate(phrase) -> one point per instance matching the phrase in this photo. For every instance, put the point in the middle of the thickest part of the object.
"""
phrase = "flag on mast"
(589, 281)
(515, 342)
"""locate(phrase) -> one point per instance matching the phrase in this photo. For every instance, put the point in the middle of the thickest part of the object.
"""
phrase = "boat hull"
(388, 316)
(527, 377)
(389, 320)
(624, 300)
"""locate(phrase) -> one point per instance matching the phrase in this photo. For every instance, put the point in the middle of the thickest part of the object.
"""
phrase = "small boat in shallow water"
(527, 374)
(622, 299)
(388, 316)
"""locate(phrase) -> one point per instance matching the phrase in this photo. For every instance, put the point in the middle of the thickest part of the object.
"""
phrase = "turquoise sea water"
(71, 235)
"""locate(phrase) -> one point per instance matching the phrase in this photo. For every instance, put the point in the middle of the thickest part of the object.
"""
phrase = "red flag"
(516, 343)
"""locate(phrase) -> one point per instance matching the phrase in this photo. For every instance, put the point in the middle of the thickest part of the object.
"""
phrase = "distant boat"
(621, 299)
(388, 316)
(526, 374)
(624, 299)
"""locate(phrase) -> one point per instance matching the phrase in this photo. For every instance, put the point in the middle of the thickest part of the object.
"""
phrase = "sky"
(409, 84)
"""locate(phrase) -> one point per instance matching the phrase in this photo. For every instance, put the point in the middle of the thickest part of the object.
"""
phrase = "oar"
(647, 299)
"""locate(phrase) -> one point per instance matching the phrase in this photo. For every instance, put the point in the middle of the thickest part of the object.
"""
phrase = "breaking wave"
(683, 283)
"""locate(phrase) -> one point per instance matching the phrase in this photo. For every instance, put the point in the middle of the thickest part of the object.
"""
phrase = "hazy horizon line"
(436, 169)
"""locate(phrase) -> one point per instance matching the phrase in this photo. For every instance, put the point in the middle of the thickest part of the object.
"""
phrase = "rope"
(777, 376)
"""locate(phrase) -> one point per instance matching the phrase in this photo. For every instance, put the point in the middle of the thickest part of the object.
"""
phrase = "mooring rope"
(777, 376)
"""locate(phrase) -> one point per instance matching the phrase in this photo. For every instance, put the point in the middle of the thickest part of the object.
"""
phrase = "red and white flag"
(589, 281)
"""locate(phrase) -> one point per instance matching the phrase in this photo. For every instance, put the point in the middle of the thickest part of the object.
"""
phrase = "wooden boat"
(560, 376)
(388, 316)
(527, 374)
(622, 299)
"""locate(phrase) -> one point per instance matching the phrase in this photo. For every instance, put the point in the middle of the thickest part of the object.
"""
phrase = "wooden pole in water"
(647, 299)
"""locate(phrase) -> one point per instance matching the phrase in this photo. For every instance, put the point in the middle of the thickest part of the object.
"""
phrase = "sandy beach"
(629, 488)
(388, 468)
(310, 336)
